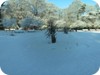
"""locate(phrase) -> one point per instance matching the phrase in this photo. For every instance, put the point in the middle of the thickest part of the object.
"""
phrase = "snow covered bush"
(62, 25)
(78, 25)
(26, 22)
(31, 22)
(81, 24)
(9, 23)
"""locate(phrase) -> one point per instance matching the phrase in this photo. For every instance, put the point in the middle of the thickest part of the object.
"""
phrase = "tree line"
(28, 13)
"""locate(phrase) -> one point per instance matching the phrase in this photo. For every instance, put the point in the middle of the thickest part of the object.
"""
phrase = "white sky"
(97, 1)
(1, 1)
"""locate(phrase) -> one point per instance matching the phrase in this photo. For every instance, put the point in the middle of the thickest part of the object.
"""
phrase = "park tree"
(9, 22)
(71, 12)
(41, 9)
(51, 11)
(21, 10)
(1, 25)
(62, 25)
(29, 22)
(81, 11)
(26, 8)
(51, 30)
(89, 8)
(78, 8)
(37, 7)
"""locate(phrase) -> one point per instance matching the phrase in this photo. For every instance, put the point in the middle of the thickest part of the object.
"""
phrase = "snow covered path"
(77, 53)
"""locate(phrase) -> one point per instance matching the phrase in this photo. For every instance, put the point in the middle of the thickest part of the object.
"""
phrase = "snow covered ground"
(76, 53)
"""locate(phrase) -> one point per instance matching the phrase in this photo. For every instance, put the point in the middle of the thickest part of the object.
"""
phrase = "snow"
(98, 72)
(2, 73)
(76, 53)
(1, 1)
(98, 2)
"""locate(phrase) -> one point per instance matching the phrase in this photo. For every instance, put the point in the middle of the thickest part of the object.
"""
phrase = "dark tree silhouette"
(1, 25)
(66, 29)
(51, 30)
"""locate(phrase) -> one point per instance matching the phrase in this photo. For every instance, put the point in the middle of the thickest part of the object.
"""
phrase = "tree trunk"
(53, 38)
(66, 30)
(1, 25)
